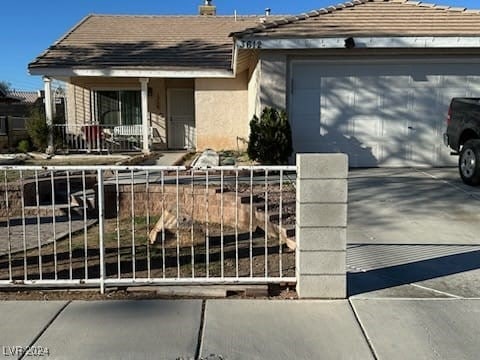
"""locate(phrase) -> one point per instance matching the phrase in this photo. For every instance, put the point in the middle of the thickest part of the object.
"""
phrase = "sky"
(28, 27)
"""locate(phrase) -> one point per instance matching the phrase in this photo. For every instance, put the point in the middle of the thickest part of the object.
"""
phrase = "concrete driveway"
(413, 233)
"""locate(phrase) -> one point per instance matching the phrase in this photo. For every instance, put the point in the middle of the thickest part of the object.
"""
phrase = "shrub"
(23, 146)
(38, 130)
(270, 139)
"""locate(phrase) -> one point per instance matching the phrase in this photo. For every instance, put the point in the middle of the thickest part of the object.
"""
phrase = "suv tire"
(469, 162)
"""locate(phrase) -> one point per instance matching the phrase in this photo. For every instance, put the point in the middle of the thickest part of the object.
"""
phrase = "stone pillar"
(322, 191)
(47, 82)
(145, 122)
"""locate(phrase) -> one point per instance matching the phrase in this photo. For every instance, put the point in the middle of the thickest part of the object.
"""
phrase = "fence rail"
(115, 225)
(101, 138)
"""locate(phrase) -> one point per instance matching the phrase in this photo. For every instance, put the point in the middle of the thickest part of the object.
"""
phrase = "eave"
(262, 43)
(131, 72)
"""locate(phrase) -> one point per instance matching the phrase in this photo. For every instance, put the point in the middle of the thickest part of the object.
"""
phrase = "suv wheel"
(469, 162)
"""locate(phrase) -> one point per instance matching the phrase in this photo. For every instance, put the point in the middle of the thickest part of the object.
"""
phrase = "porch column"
(145, 122)
(47, 82)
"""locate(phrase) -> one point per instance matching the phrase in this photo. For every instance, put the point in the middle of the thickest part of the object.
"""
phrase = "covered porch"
(169, 82)
(119, 114)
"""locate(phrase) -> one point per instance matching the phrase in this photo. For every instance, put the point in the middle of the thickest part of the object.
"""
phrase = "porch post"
(145, 124)
(47, 82)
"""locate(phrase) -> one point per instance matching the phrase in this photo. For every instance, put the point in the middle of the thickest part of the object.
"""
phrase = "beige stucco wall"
(221, 112)
(273, 80)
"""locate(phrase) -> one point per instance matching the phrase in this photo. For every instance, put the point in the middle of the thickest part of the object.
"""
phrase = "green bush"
(38, 130)
(23, 146)
(270, 139)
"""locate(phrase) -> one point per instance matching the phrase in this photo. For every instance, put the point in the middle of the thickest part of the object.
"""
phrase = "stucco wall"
(221, 112)
(273, 80)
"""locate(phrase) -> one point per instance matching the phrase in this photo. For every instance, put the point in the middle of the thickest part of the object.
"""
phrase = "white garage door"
(381, 114)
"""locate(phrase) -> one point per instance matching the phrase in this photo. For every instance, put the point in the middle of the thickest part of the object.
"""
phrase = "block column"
(321, 225)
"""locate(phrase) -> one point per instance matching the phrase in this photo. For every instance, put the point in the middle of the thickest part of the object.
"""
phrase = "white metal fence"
(102, 138)
(112, 226)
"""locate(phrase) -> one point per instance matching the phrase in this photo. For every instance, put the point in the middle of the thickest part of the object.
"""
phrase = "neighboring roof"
(5, 97)
(19, 97)
(373, 18)
(24, 97)
(167, 42)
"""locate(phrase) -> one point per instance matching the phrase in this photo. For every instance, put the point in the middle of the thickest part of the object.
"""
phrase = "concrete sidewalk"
(243, 329)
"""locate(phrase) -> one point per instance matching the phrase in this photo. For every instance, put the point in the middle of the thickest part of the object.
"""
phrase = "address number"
(251, 44)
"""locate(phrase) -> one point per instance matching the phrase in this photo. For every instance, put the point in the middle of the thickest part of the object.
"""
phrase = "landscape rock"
(208, 158)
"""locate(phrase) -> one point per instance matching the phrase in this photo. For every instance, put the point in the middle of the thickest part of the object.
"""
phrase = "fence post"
(101, 228)
(321, 225)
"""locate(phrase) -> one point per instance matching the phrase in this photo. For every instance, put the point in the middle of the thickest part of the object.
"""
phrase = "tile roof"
(25, 97)
(165, 42)
(373, 18)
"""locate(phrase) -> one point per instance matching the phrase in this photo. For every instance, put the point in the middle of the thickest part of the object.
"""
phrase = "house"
(177, 78)
(15, 107)
(370, 78)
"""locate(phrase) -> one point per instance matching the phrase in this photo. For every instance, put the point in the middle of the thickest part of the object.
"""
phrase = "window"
(18, 123)
(118, 107)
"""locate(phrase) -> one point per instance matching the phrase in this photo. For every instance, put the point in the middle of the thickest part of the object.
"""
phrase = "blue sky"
(28, 27)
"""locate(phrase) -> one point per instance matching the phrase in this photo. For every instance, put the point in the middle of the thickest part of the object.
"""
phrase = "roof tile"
(183, 42)
(381, 18)
(192, 42)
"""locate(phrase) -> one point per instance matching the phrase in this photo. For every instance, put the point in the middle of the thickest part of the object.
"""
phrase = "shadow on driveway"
(363, 281)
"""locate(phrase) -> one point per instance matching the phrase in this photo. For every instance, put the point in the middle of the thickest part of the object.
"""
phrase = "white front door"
(181, 119)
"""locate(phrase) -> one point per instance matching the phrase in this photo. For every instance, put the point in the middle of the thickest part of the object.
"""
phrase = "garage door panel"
(424, 103)
(306, 131)
(366, 101)
(309, 105)
(366, 127)
(309, 126)
(306, 79)
(455, 82)
(385, 114)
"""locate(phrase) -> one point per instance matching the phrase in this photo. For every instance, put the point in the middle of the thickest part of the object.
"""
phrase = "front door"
(181, 119)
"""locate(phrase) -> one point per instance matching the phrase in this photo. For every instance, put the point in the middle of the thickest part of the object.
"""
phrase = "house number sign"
(250, 44)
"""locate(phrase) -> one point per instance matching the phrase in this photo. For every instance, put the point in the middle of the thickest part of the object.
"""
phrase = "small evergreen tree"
(270, 139)
(38, 130)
